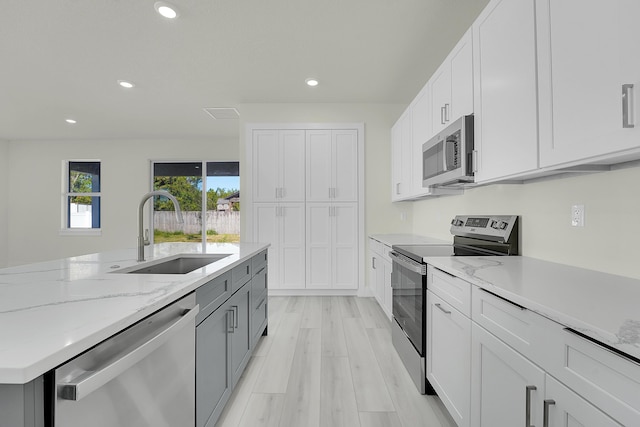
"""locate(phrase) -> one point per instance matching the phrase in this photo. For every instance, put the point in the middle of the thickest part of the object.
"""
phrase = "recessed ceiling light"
(311, 82)
(71, 121)
(165, 9)
(125, 84)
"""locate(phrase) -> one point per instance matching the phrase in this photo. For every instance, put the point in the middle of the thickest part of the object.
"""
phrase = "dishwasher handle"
(88, 382)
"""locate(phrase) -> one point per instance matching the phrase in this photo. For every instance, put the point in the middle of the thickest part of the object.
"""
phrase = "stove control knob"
(495, 224)
(457, 223)
(503, 225)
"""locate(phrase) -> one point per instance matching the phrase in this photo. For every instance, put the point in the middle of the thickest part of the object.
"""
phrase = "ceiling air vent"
(222, 113)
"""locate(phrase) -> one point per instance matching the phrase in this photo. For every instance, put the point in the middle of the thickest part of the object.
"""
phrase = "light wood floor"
(329, 361)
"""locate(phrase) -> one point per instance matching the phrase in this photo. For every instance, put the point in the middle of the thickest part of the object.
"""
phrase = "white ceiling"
(62, 59)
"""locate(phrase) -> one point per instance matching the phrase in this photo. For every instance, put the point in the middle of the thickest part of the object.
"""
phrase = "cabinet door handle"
(627, 106)
(446, 113)
(235, 316)
(527, 415)
(442, 309)
(230, 328)
(474, 161)
(547, 403)
(373, 262)
(442, 115)
(398, 188)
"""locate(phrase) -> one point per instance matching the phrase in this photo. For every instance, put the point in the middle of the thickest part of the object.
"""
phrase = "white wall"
(380, 215)
(4, 201)
(35, 202)
(608, 242)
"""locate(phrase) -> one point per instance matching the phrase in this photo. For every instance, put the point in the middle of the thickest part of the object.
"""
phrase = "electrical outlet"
(577, 215)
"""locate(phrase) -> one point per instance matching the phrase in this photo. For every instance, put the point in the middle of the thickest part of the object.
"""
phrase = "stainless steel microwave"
(447, 158)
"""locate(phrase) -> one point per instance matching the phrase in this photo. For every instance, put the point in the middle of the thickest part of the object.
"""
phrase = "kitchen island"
(52, 311)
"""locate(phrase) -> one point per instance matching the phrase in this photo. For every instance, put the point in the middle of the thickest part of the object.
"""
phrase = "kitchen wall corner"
(4, 202)
(607, 242)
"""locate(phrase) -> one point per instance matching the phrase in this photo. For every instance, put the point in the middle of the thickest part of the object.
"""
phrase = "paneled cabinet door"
(452, 86)
(213, 368)
(332, 165)
(401, 158)
(505, 89)
(278, 158)
(586, 59)
(282, 225)
(332, 246)
(449, 357)
(564, 408)
(240, 305)
(504, 383)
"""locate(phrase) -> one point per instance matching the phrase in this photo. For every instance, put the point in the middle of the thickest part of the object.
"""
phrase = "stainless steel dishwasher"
(144, 376)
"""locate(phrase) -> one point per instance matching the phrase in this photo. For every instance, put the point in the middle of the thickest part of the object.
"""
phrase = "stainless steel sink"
(181, 264)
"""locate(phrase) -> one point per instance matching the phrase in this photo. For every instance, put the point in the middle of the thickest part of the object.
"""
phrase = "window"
(212, 215)
(82, 197)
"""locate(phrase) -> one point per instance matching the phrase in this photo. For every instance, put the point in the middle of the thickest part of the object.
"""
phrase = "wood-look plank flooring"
(329, 362)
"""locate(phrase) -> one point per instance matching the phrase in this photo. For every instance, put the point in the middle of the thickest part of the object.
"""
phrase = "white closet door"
(319, 245)
(266, 229)
(292, 232)
(319, 165)
(345, 246)
(345, 165)
(265, 165)
(292, 157)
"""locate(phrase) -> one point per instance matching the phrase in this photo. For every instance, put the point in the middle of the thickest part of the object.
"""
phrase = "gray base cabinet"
(234, 307)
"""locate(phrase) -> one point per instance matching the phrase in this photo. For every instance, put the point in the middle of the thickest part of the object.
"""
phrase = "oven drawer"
(606, 379)
(453, 290)
(519, 327)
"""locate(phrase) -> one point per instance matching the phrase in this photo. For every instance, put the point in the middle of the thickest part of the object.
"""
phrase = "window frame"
(149, 214)
(65, 230)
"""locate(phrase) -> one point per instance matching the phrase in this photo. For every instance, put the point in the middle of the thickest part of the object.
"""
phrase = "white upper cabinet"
(332, 172)
(588, 53)
(505, 99)
(401, 158)
(279, 158)
(452, 86)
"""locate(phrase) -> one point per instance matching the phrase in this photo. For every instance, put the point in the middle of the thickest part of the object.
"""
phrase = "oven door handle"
(410, 265)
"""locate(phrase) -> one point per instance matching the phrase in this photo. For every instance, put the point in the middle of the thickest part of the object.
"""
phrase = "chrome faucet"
(142, 240)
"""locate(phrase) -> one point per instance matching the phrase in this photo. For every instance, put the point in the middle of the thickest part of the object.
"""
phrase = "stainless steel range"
(474, 235)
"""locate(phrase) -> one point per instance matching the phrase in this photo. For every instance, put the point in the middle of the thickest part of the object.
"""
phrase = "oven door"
(409, 293)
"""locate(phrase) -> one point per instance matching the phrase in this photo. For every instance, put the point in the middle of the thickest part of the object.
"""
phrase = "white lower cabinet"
(564, 408)
(507, 388)
(380, 274)
(283, 225)
(449, 356)
(332, 245)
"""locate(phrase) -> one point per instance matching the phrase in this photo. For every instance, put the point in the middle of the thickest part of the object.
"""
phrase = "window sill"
(81, 232)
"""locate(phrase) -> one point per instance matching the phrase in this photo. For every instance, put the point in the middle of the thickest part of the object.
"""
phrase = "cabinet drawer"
(522, 329)
(241, 274)
(259, 261)
(375, 246)
(212, 294)
(608, 380)
(453, 290)
(259, 286)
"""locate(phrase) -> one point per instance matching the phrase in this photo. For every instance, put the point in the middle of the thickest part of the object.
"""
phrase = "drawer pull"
(504, 299)
(527, 415)
(547, 403)
(442, 309)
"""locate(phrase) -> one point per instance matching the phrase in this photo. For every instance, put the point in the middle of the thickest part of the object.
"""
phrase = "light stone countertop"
(602, 306)
(52, 311)
(408, 239)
